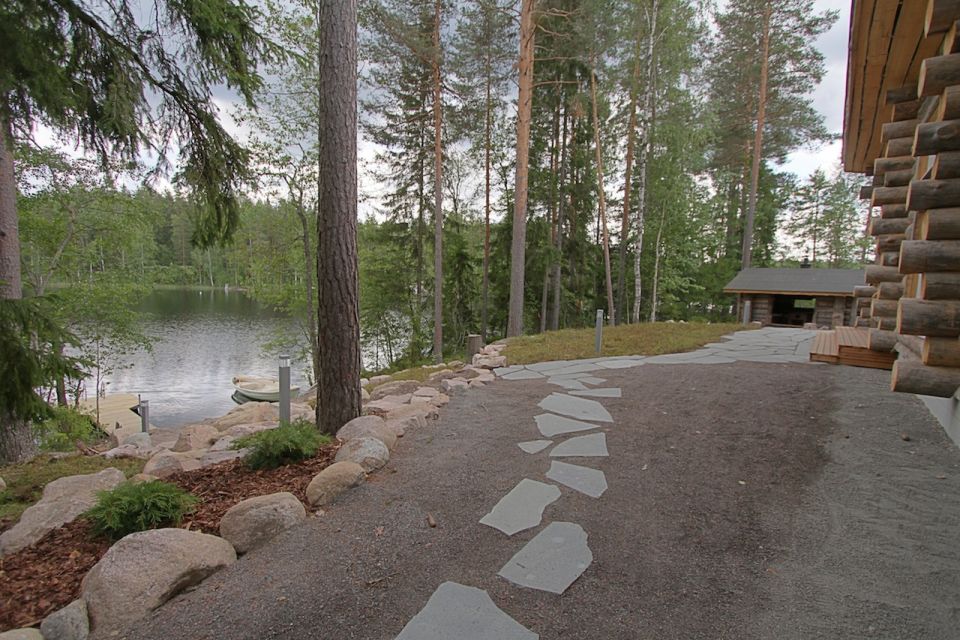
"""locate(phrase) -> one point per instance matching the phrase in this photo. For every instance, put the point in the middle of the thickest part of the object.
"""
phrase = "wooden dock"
(848, 345)
(117, 414)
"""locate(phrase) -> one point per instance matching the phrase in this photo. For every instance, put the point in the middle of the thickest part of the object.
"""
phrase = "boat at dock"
(262, 389)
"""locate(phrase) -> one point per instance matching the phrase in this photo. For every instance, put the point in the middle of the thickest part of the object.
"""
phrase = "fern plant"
(288, 443)
(132, 507)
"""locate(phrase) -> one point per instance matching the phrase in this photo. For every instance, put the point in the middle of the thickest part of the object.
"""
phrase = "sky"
(828, 98)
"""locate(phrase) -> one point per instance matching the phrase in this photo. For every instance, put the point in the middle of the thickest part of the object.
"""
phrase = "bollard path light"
(284, 389)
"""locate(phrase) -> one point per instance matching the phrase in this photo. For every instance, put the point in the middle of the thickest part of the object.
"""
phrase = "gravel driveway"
(743, 500)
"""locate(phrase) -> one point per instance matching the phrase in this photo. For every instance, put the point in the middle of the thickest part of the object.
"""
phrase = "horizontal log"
(880, 226)
(864, 290)
(899, 163)
(890, 258)
(861, 323)
(940, 286)
(935, 318)
(910, 346)
(880, 340)
(933, 194)
(940, 15)
(941, 352)
(864, 312)
(912, 376)
(875, 274)
(884, 323)
(946, 165)
(888, 195)
(901, 129)
(893, 211)
(934, 137)
(899, 147)
(905, 93)
(890, 242)
(866, 191)
(905, 110)
(883, 308)
(938, 73)
(863, 303)
(890, 290)
(948, 104)
(939, 224)
(877, 181)
(896, 178)
(950, 42)
(924, 256)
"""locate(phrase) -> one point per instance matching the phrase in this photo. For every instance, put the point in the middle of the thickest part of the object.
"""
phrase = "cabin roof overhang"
(795, 282)
(885, 49)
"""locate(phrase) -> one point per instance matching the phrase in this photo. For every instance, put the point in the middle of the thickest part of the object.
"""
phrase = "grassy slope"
(25, 481)
(630, 339)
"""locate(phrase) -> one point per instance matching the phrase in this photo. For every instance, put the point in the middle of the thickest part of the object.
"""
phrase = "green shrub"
(65, 426)
(286, 444)
(134, 507)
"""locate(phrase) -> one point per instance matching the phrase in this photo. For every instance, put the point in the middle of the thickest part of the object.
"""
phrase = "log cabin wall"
(823, 312)
(911, 300)
(761, 309)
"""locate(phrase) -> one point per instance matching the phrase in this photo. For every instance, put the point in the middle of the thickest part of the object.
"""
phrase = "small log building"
(902, 129)
(795, 297)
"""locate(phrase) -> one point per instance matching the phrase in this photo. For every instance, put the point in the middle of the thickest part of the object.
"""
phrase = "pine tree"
(763, 69)
(116, 86)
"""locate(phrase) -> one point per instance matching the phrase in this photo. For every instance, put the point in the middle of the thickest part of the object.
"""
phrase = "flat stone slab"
(502, 371)
(524, 374)
(579, 408)
(534, 446)
(620, 364)
(608, 392)
(592, 444)
(591, 482)
(522, 508)
(552, 561)
(551, 425)
(592, 380)
(582, 367)
(567, 383)
(464, 613)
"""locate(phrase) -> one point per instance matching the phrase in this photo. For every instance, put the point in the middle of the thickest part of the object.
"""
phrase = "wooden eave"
(768, 292)
(886, 47)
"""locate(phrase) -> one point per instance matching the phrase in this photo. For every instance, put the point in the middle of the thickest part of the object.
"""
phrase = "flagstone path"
(628, 497)
(559, 554)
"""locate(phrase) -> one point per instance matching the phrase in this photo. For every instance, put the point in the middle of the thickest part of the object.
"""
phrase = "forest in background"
(642, 149)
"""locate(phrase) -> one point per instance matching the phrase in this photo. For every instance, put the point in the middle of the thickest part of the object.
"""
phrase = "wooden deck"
(848, 345)
(117, 415)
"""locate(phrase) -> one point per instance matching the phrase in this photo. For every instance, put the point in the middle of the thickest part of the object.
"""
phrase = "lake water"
(201, 340)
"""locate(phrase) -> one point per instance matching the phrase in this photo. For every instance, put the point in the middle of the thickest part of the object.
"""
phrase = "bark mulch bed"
(38, 580)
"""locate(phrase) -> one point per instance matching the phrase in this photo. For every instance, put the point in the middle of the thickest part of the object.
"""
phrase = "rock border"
(390, 409)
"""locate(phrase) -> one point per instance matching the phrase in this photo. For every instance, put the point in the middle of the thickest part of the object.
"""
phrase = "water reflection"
(202, 340)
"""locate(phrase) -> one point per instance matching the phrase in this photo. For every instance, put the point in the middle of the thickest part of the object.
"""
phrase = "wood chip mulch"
(46, 576)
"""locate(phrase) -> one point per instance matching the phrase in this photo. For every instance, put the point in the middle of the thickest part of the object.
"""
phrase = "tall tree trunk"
(558, 237)
(747, 249)
(657, 255)
(308, 271)
(644, 156)
(437, 192)
(524, 110)
(338, 312)
(627, 185)
(11, 287)
(488, 126)
(16, 436)
(601, 197)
